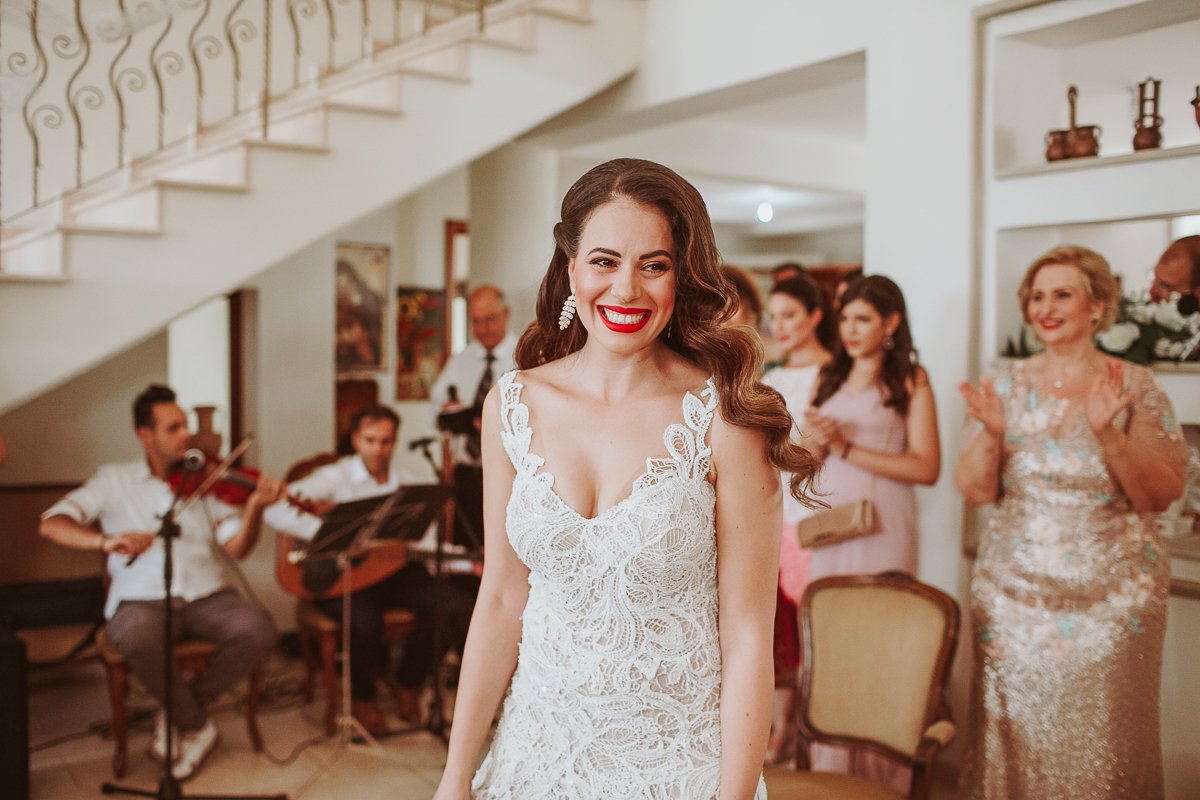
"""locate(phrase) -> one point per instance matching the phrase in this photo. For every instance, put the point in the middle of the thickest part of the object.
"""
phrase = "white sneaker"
(158, 745)
(194, 747)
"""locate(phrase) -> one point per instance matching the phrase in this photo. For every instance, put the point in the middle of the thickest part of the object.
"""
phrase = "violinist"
(369, 473)
(127, 501)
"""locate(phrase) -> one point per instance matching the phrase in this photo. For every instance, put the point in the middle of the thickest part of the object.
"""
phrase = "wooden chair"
(191, 657)
(320, 636)
(877, 653)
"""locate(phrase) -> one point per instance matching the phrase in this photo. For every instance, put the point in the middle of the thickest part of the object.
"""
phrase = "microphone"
(421, 443)
(452, 394)
(192, 460)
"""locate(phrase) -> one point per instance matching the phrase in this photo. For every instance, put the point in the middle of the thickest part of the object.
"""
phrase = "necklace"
(1090, 369)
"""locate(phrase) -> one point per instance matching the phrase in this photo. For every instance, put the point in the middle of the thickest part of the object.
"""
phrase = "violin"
(202, 475)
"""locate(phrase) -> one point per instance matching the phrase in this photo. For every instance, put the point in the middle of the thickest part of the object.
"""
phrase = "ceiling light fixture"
(766, 212)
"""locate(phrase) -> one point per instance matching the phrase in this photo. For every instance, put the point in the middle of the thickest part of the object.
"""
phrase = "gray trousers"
(243, 634)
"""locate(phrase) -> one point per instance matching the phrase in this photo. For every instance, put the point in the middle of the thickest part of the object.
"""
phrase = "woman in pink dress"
(803, 326)
(874, 422)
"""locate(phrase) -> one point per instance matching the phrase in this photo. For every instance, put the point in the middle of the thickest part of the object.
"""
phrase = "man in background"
(464, 383)
(128, 501)
(1178, 273)
(369, 473)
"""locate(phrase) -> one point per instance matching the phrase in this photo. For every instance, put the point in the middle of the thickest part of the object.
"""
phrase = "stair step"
(514, 33)
(109, 230)
(32, 255)
(304, 127)
(381, 95)
(290, 147)
(198, 186)
(447, 64)
(134, 209)
(225, 167)
(569, 10)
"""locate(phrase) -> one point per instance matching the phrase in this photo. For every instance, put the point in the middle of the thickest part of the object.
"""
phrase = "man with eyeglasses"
(1178, 273)
(464, 382)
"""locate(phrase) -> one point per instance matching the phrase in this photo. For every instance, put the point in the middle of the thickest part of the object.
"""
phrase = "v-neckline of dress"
(634, 486)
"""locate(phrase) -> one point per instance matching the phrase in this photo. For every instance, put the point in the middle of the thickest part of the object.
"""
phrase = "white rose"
(1162, 348)
(1118, 337)
(1141, 312)
(1168, 316)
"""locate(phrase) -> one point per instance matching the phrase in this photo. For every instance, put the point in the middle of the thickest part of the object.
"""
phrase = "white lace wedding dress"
(618, 675)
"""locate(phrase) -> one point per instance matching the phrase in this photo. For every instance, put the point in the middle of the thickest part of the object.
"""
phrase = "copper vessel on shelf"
(1082, 140)
(1056, 146)
(1147, 135)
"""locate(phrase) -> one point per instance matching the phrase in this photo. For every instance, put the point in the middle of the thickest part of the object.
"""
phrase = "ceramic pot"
(1056, 146)
(206, 437)
(1083, 141)
(1147, 136)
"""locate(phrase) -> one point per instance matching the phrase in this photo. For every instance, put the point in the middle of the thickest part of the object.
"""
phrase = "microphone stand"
(436, 723)
(168, 784)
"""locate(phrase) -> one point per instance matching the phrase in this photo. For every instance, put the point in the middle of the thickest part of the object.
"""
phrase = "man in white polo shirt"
(128, 501)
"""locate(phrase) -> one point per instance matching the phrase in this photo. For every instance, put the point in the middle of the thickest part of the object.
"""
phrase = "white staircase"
(107, 267)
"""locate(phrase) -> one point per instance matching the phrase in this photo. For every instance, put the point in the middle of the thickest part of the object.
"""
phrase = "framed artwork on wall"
(420, 340)
(362, 289)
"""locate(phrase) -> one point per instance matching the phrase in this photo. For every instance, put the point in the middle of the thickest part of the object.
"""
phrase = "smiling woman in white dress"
(632, 512)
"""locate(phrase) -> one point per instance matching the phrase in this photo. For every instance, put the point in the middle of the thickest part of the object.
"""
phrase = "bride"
(632, 518)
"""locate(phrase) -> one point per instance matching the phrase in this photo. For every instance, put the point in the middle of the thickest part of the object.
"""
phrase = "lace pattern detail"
(618, 675)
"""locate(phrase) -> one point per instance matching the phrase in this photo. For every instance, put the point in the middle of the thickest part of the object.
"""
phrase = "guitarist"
(369, 473)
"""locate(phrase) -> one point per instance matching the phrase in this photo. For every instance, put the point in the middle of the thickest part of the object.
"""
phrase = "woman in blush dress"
(1069, 590)
(874, 422)
(631, 506)
(803, 326)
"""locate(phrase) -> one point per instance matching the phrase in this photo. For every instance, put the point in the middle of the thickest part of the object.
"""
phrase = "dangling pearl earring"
(888, 342)
(568, 312)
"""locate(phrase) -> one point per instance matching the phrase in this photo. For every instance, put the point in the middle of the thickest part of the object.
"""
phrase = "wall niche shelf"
(1101, 161)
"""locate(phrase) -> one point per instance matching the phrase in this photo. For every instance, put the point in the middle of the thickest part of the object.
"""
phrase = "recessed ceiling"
(818, 117)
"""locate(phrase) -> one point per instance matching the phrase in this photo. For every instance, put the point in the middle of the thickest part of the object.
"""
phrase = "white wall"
(67, 433)
(292, 392)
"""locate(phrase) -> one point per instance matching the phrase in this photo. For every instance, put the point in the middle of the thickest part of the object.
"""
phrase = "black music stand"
(345, 535)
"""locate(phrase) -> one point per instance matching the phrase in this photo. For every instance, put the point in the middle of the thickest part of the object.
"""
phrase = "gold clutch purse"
(837, 524)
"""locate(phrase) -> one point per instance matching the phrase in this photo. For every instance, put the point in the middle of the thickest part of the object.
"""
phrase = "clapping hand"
(984, 405)
(825, 432)
(1107, 397)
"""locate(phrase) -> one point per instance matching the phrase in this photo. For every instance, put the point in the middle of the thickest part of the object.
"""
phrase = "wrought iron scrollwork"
(74, 64)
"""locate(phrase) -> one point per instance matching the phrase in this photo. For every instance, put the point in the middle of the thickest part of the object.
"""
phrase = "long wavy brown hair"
(899, 367)
(704, 299)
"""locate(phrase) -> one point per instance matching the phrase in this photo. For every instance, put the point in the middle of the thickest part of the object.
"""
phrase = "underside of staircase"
(109, 266)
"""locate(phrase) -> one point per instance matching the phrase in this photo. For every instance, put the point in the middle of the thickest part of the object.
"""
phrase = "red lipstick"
(642, 315)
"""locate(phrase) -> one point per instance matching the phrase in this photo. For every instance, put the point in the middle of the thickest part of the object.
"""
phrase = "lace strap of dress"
(515, 432)
(688, 443)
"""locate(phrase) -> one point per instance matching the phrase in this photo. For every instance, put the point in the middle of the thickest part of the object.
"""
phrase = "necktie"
(485, 383)
(486, 379)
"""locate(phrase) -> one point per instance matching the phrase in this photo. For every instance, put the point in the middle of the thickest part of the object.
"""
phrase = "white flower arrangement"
(1143, 331)
(1146, 331)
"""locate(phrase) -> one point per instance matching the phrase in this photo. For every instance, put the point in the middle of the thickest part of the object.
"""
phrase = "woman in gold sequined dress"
(1069, 592)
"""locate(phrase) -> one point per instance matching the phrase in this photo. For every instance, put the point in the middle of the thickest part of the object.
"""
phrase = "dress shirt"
(463, 371)
(127, 498)
(342, 481)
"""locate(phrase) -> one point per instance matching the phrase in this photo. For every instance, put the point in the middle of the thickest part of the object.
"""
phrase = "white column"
(514, 205)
